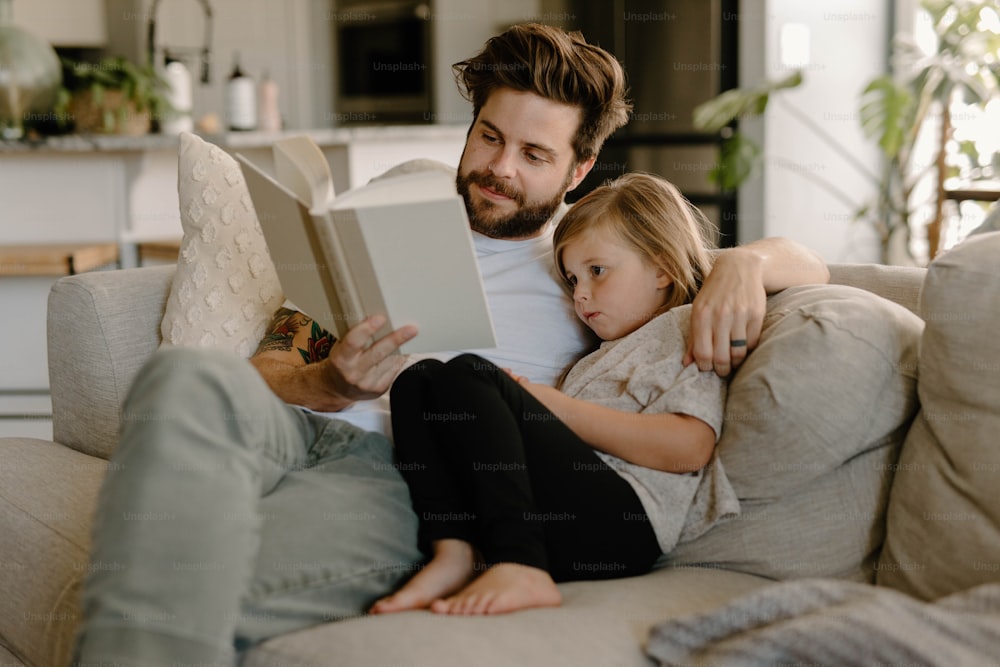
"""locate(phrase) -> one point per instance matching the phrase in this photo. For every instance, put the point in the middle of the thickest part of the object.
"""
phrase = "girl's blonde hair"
(651, 215)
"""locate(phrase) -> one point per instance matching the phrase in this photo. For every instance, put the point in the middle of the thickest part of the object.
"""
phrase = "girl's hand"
(520, 379)
(548, 396)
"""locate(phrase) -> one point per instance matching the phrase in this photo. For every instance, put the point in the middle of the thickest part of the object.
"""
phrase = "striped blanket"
(836, 623)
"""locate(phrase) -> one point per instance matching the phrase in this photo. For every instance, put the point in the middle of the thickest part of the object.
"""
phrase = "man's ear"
(580, 172)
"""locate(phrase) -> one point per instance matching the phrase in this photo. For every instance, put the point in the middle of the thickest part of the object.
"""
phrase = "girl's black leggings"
(487, 463)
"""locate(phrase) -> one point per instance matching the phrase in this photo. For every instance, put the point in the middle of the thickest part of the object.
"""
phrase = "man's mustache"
(486, 180)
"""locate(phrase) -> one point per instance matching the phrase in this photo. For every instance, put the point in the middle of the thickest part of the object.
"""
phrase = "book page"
(348, 309)
(414, 187)
(301, 167)
(296, 253)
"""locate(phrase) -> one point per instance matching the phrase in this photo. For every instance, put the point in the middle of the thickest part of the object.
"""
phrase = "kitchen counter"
(118, 193)
(83, 143)
(112, 188)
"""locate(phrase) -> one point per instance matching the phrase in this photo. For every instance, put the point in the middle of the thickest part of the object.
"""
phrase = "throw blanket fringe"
(832, 623)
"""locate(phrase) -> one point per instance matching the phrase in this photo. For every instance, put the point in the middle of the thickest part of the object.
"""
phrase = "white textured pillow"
(226, 289)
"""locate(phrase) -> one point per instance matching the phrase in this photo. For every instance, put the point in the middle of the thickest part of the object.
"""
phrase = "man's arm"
(731, 303)
(304, 365)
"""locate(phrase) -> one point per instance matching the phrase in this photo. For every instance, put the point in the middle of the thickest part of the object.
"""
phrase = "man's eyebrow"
(539, 147)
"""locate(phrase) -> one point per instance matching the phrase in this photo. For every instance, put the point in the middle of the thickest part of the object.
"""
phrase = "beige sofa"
(814, 478)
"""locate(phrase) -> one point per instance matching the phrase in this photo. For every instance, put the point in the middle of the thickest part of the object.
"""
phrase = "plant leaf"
(738, 155)
(721, 110)
(887, 110)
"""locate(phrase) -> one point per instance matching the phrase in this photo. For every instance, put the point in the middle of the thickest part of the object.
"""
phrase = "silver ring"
(490, 167)
(739, 342)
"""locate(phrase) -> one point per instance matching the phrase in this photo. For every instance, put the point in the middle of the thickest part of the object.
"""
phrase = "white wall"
(460, 29)
(848, 45)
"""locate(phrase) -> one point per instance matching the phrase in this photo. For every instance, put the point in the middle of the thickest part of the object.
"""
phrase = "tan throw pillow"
(943, 530)
(813, 424)
(226, 289)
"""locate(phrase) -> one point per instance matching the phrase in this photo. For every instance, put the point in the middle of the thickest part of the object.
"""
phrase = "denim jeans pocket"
(339, 439)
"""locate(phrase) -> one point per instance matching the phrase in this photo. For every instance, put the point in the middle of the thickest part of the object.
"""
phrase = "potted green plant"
(112, 96)
(895, 110)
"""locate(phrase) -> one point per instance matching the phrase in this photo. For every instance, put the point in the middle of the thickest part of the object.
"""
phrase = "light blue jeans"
(228, 517)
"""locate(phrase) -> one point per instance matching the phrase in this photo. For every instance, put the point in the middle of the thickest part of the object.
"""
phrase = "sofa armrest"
(102, 327)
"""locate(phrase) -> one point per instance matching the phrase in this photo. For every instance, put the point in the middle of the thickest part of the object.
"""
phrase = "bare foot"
(453, 566)
(503, 588)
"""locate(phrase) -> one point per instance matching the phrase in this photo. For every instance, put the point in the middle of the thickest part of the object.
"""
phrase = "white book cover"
(399, 246)
(288, 228)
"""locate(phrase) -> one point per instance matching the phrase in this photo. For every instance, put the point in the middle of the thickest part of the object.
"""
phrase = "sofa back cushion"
(944, 515)
(899, 284)
(814, 420)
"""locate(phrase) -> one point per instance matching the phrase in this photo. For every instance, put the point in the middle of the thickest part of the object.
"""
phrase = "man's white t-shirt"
(538, 332)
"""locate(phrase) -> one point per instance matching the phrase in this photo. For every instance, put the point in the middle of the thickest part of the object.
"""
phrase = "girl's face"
(615, 289)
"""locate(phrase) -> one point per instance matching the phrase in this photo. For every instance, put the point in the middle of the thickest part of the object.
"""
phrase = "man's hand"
(360, 367)
(301, 366)
(727, 313)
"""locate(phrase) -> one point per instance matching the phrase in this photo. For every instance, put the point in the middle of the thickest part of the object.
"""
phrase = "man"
(230, 515)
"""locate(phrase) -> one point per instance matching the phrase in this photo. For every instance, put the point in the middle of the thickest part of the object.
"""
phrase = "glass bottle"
(268, 113)
(30, 75)
(241, 99)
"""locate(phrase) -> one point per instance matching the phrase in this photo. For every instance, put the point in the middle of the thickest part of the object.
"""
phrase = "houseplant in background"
(960, 74)
(902, 112)
(739, 155)
(112, 96)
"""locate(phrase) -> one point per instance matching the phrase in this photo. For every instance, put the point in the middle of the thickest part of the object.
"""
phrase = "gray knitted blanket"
(836, 623)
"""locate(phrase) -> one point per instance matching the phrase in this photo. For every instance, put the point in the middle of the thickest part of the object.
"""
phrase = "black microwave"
(384, 67)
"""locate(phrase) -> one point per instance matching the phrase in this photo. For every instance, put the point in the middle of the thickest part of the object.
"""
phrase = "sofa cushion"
(813, 423)
(226, 289)
(599, 623)
(944, 518)
(47, 494)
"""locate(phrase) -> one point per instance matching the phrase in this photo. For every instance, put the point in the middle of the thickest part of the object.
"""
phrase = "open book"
(398, 246)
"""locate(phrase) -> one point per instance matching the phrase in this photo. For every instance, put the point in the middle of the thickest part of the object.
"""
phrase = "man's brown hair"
(558, 66)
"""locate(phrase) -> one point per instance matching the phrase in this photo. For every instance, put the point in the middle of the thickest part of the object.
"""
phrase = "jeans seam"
(210, 641)
(293, 587)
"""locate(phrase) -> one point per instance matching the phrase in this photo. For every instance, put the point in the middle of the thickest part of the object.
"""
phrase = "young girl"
(526, 485)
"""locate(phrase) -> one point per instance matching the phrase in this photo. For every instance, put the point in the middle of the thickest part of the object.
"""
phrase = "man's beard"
(525, 221)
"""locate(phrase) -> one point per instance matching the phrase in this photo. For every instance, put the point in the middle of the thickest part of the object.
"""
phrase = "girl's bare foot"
(453, 566)
(503, 588)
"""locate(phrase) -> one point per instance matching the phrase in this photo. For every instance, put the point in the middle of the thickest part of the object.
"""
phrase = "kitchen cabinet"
(62, 23)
